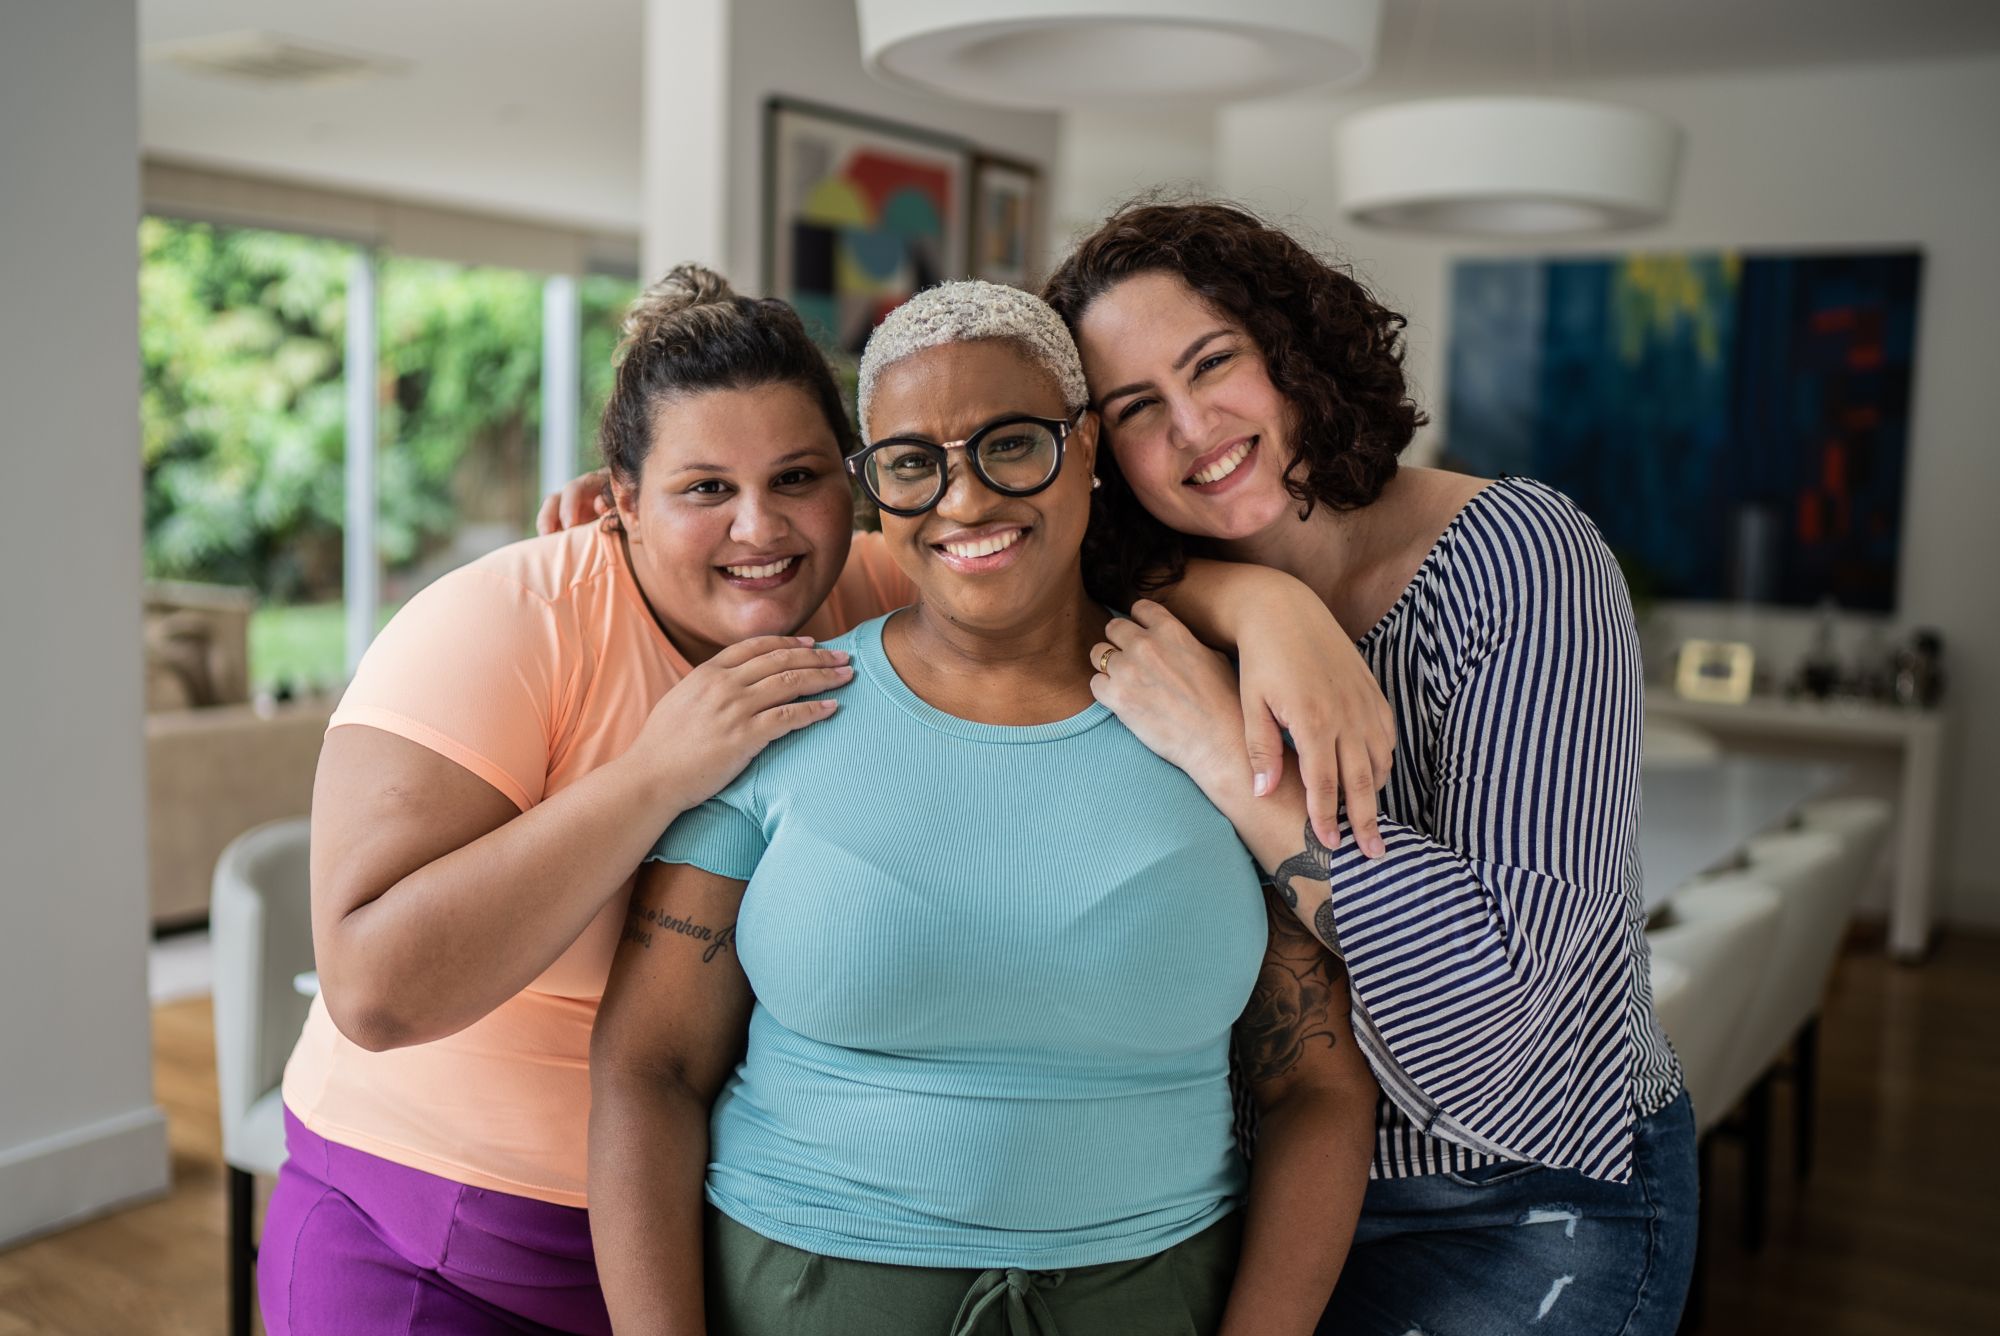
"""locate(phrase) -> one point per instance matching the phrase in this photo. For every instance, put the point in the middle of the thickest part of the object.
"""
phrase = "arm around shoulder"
(1301, 674)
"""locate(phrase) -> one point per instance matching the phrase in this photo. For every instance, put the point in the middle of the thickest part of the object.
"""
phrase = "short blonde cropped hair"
(970, 309)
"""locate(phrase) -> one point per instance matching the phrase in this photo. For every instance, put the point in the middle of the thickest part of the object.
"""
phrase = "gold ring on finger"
(1104, 658)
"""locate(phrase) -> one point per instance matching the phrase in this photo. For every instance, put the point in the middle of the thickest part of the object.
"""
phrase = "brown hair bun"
(655, 313)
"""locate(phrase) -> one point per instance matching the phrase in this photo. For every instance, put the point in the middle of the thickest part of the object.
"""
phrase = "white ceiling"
(530, 108)
(1461, 42)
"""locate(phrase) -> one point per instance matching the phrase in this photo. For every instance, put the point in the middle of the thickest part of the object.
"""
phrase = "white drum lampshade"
(1506, 166)
(1058, 53)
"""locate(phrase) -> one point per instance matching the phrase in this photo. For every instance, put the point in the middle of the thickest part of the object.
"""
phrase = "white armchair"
(260, 920)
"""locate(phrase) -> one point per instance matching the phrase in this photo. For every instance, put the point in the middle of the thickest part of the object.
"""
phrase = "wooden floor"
(156, 1269)
(1897, 1233)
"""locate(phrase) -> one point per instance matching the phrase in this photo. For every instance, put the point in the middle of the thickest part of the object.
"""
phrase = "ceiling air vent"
(269, 59)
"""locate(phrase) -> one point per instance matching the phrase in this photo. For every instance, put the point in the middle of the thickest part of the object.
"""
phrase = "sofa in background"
(216, 764)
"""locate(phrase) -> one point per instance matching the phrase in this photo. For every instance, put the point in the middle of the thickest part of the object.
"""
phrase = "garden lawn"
(303, 646)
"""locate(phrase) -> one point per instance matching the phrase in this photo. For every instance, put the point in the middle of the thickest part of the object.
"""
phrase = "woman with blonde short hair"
(922, 1025)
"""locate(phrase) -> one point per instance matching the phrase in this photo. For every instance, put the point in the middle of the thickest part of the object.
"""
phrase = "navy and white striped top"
(1497, 953)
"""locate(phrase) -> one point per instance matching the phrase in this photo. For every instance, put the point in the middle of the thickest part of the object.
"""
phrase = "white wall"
(78, 1127)
(1862, 156)
(811, 50)
(1110, 155)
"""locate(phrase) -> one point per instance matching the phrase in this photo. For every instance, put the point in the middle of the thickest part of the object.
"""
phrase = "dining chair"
(260, 923)
(1719, 942)
(1823, 872)
(1813, 885)
(1705, 959)
(1670, 742)
(1861, 823)
(1670, 991)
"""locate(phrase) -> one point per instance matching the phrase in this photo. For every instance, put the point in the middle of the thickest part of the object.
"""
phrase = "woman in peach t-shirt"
(510, 748)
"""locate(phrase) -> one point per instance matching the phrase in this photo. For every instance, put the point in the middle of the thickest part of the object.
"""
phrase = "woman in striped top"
(1534, 1157)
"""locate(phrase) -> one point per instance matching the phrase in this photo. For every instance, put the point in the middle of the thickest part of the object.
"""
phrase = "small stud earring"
(1096, 483)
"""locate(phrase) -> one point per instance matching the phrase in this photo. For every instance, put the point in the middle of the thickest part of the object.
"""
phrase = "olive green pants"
(757, 1287)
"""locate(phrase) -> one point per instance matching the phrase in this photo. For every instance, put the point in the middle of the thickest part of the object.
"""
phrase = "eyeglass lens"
(1013, 456)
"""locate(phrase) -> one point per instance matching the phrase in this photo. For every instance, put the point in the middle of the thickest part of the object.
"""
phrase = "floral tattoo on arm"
(1301, 988)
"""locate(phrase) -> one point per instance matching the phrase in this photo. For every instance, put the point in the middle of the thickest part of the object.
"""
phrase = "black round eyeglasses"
(1017, 455)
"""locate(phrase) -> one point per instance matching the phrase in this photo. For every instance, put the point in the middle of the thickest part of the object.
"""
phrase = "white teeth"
(984, 547)
(1224, 466)
(761, 572)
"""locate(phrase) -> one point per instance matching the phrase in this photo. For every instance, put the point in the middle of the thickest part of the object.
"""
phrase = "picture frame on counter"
(1719, 672)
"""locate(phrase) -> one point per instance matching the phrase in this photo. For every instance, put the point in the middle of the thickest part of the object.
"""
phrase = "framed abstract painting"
(1005, 203)
(858, 215)
(1738, 426)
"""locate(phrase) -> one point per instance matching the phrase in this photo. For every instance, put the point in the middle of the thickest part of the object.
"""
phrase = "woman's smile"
(1220, 468)
(990, 547)
(759, 573)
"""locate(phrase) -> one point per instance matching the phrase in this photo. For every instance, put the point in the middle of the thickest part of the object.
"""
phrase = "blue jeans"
(1518, 1248)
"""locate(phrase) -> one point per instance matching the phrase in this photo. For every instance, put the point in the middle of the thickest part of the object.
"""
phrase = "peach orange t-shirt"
(530, 667)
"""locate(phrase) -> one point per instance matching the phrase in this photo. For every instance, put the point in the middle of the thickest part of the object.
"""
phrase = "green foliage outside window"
(242, 336)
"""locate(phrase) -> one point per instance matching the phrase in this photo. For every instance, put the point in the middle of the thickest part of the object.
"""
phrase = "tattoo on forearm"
(1329, 936)
(1314, 863)
(643, 921)
(1299, 992)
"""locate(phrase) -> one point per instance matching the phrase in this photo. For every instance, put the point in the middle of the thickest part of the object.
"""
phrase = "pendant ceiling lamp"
(1506, 166)
(1061, 53)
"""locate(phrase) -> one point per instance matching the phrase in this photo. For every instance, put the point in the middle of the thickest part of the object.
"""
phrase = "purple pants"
(356, 1245)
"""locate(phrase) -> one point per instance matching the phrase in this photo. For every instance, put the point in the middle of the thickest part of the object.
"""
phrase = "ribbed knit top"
(995, 973)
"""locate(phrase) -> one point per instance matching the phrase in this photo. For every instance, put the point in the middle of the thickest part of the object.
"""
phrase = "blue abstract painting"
(1737, 426)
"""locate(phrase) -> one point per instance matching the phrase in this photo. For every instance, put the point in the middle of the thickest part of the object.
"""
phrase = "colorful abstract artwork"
(1737, 426)
(1004, 208)
(859, 215)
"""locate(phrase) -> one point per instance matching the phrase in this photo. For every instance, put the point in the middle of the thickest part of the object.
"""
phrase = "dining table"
(1698, 816)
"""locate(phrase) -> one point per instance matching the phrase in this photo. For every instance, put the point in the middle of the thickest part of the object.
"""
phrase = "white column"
(685, 137)
(361, 587)
(562, 372)
(79, 1132)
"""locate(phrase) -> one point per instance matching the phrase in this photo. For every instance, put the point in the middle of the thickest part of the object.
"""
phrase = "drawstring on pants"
(1013, 1292)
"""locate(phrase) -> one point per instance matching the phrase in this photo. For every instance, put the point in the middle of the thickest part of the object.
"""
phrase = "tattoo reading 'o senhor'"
(642, 920)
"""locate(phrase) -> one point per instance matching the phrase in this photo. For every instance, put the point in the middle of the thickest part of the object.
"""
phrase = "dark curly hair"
(1334, 352)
